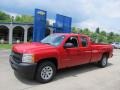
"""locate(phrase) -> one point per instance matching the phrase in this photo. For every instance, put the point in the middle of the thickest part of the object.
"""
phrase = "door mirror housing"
(68, 45)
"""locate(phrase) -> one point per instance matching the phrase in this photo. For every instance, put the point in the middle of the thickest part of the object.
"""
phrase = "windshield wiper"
(47, 43)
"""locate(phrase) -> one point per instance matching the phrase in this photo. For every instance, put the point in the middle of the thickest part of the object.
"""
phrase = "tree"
(74, 30)
(111, 34)
(86, 31)
(93, 36)
(24, 19)
(103, 33)
(4, 17)
(98, 30)
(110, 37)
(20, 19)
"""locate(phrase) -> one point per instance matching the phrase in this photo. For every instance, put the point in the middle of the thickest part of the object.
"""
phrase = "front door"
(71, 54)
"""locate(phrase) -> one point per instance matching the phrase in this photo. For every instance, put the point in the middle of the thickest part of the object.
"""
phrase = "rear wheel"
(46, 72)
(103, 62)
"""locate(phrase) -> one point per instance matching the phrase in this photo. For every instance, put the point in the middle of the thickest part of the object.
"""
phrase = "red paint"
(66, 57)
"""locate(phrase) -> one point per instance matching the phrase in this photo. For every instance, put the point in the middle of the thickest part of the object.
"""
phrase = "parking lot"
(85, 77)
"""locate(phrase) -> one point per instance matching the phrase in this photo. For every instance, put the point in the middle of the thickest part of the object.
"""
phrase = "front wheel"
(46, 72)
(104, 61)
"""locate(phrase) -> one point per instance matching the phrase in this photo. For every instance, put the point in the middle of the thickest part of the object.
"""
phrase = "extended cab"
(41, 60)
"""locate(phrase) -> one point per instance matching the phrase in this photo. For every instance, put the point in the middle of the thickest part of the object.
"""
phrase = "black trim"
(17, 57)
(16, 23)
(25, 69)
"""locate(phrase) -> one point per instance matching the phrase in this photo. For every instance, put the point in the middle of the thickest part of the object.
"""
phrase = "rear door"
(84, 50)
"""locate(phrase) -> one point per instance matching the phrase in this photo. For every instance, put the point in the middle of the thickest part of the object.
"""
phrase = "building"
(19, 32)
(15, 32)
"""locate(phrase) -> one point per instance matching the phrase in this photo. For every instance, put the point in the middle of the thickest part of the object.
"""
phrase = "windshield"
(53, 39)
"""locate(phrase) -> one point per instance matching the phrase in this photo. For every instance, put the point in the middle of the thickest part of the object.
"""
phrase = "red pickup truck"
(41, 60)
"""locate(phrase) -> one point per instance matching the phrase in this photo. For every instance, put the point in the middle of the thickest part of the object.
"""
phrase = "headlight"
(28, 58)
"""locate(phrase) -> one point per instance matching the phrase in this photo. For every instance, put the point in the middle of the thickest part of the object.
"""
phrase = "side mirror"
(68, 45)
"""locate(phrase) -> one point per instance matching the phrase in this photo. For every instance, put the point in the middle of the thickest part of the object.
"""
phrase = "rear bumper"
(25, 69)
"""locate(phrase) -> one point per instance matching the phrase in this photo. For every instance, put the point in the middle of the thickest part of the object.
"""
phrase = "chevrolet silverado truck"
(41, 60)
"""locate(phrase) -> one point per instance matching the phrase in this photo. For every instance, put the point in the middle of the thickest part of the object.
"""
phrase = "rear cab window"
(84, 41)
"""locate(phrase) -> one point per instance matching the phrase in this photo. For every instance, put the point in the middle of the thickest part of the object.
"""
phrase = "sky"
(85, 13)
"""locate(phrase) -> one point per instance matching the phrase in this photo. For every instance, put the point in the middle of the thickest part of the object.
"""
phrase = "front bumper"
(25, 69)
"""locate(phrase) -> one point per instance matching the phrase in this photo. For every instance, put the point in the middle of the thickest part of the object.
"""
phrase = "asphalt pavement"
(85, 77)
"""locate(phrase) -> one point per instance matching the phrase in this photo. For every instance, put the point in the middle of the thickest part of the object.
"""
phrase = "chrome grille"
(17, 57)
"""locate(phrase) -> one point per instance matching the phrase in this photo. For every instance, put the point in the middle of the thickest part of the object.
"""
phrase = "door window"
(73, 40)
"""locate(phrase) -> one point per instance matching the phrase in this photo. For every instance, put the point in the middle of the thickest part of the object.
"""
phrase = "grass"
(5, 46)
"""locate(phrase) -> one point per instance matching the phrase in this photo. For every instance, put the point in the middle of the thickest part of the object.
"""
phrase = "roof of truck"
(70, 34)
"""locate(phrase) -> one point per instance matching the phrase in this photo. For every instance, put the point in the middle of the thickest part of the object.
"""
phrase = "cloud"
(85, 13)
(111, 9)
(12, 14)
(91, 24)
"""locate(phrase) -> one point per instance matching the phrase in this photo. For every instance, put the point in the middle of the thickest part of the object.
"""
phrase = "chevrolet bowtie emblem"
(41, 13)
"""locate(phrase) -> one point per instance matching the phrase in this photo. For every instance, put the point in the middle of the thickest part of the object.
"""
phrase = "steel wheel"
(103, 62)
(47, 73)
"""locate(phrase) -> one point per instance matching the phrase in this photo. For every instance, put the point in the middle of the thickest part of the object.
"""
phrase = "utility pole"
(97, 32)
(12, 19)
(11, 30)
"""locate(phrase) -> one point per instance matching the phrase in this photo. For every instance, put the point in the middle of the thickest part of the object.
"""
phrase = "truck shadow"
(25, 80)
(74, 71)
(64, 73)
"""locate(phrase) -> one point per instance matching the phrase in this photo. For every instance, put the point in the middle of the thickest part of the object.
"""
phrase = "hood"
(30, 47)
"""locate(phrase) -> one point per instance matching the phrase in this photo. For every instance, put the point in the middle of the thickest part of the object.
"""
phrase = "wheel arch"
(50, 59)
(106, 54)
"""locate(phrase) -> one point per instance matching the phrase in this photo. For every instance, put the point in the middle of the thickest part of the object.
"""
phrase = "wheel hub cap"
(46, 72)
(104, 61)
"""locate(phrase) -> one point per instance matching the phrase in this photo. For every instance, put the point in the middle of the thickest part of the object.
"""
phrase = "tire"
(103, 62)
(46, 72)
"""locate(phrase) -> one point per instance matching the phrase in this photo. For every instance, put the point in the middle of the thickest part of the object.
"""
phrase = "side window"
(84, 41)
(73, 40)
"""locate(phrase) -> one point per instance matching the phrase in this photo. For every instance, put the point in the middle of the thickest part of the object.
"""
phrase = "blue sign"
(63, 24)
(39, 25)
